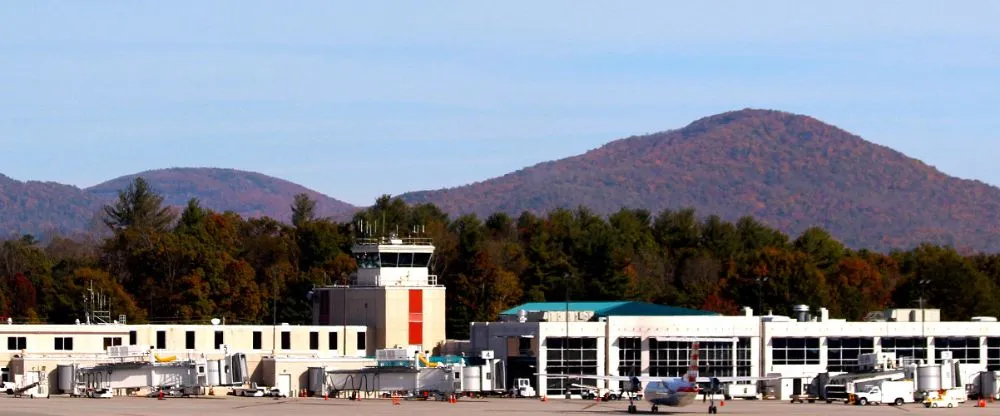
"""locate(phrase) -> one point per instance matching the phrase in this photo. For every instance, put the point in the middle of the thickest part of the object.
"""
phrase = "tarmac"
(226, 406)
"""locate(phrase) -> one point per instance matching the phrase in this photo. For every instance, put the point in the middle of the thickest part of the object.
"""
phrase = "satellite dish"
(215, 321)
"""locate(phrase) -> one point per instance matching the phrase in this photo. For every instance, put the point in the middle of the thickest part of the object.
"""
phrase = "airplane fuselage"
(669, 393)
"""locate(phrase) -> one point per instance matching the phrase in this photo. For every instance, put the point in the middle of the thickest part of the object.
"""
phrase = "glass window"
(405, 259)
(963, 349)
(257, 340)
(421, 259)
(794, 351)
(388, 259)
(570, 356)
(993, 354)
(842, 353)
(913, 347)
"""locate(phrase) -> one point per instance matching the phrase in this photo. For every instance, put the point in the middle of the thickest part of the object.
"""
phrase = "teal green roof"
(616, 308)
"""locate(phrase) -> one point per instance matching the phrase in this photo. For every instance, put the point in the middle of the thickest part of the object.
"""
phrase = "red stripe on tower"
(416, 318)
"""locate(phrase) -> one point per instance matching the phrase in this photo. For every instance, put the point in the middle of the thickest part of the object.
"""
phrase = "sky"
(358, 99)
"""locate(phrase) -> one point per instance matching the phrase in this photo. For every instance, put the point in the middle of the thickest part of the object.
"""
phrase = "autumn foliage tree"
(206, 264)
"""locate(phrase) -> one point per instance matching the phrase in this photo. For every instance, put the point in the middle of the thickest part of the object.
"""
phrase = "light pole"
(922, 284)
(566, 317)
(760, 295)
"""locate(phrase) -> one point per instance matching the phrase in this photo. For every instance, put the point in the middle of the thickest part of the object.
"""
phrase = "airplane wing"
(646, 379)
(608, 378)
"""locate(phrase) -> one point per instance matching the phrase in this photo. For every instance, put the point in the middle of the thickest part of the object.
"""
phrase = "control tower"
(392, 293)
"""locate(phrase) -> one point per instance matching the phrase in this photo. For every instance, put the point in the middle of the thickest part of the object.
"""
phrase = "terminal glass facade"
(842, 353)
(569, 356)
(963, 349)
(629, 358)
(993, 354)
(744, 362)
(795, 351)
(913, 347)
(671, 358)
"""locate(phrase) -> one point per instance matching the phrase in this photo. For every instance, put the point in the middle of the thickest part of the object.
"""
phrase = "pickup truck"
(894, 392)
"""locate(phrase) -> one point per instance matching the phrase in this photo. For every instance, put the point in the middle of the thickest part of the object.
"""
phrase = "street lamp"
(566, 340)
(922, 285)
(760, 295)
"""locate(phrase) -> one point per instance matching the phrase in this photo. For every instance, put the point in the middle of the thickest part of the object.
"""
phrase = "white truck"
(889, 392)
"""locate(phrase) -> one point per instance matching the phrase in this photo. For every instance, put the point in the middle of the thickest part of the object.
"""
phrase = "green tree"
(303, 210)
(138, 207)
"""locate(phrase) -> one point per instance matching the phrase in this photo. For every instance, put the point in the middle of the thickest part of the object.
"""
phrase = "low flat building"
(44, 347)
(633, 338)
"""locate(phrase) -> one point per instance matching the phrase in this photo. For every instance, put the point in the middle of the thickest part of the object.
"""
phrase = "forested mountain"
(789, 171)
(159, 266)
(249, 194)
(43, 207)
(46, 208)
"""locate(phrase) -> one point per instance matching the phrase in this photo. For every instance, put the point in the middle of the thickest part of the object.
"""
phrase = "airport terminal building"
(631, 338)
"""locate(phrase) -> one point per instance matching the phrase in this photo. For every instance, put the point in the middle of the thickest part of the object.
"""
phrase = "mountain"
(43, 207)
(789, 171)
(39, 207)
(250, 194)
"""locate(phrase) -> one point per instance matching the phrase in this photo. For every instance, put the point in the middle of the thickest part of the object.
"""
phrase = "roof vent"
(801, 313)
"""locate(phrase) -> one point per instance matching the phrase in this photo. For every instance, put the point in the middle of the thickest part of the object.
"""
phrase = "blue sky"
(356, 99)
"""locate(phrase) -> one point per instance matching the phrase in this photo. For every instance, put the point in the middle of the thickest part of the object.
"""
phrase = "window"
(189, 340)
(993, 354)
(4, 375)
(792, 351)
(913, 347)
(64, 344)
(257, 340)
(963, 349)
(361, 341)
(314, 340)
(332, 338)
(421, 259)
(161, 340)
(112, 342)
(524, 347)
(842, 353)
(219, 340)
(405, 260)
(629, 358)
(570, 356)
(286, 340)
(132, 338)
(672, 358)
(743, 362)
(17, 343)
(388, 259)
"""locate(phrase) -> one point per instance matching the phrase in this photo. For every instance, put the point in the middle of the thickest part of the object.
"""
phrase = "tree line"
(156, 264)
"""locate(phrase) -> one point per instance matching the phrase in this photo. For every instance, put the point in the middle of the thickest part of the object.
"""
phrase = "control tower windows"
(421, 259)
(405, 260)
(389, 259)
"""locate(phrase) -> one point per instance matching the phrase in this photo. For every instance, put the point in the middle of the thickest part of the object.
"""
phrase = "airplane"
(666, 391)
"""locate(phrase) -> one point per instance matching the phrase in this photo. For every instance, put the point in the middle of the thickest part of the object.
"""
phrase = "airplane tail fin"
(692, 373)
